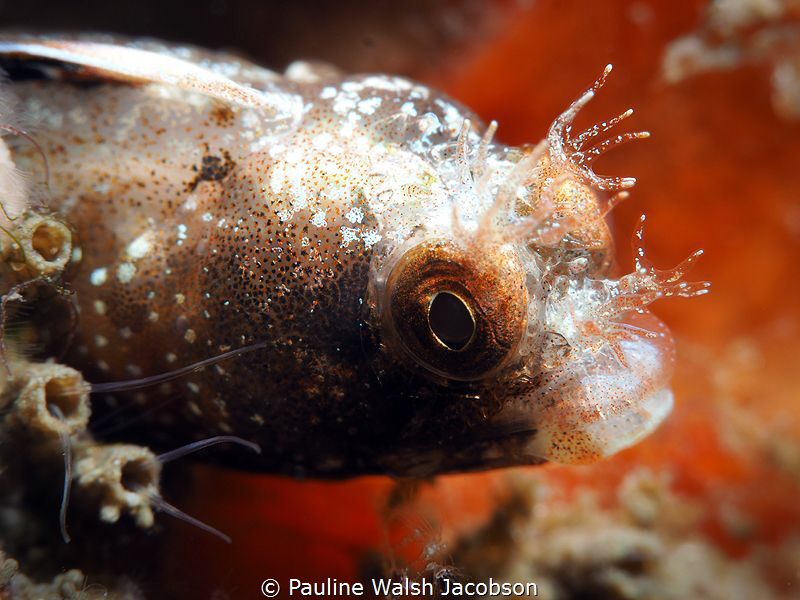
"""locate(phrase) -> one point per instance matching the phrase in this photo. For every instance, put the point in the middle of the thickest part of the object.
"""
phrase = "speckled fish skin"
(325, 226)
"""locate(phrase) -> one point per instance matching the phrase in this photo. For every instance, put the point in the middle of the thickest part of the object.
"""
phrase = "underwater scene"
(458, 298)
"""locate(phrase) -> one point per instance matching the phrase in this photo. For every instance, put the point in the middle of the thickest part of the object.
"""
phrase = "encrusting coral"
(44, 418)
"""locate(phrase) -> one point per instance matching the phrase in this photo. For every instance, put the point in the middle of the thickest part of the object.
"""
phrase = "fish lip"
(662, 402)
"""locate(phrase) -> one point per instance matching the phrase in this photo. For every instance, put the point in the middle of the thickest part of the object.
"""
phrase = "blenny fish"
(391, 289)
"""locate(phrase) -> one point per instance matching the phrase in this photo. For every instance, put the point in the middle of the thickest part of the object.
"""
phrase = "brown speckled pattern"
(204, 226)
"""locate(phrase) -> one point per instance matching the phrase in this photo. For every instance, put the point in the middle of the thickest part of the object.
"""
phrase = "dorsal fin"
(123, 63)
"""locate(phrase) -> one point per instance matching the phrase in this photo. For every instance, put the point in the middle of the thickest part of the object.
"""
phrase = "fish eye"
(451, 321)
(457, 313)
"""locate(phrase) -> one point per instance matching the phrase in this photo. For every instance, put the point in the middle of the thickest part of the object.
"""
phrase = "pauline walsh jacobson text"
(406, 587)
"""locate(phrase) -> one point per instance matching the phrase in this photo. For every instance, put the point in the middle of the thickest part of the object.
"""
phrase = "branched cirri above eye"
(575, 153)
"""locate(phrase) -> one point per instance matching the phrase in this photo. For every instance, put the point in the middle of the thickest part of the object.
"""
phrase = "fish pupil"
(451, 321)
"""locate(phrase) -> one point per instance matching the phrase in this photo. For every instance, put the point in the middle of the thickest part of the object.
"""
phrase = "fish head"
(503, 306)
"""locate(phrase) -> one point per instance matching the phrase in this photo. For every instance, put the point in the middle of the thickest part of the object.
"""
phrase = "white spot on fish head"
(99, 276)
(318, 219)
(370, 105)
(371, 238)
(139, 247)
(355, 215)
(125, 272)
(409, 109)
(348, 235)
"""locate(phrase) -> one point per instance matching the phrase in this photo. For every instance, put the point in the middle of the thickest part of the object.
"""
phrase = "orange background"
(722, 172)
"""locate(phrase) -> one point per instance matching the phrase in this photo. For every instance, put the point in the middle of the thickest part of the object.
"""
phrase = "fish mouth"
(511, 443)
(600, 438)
